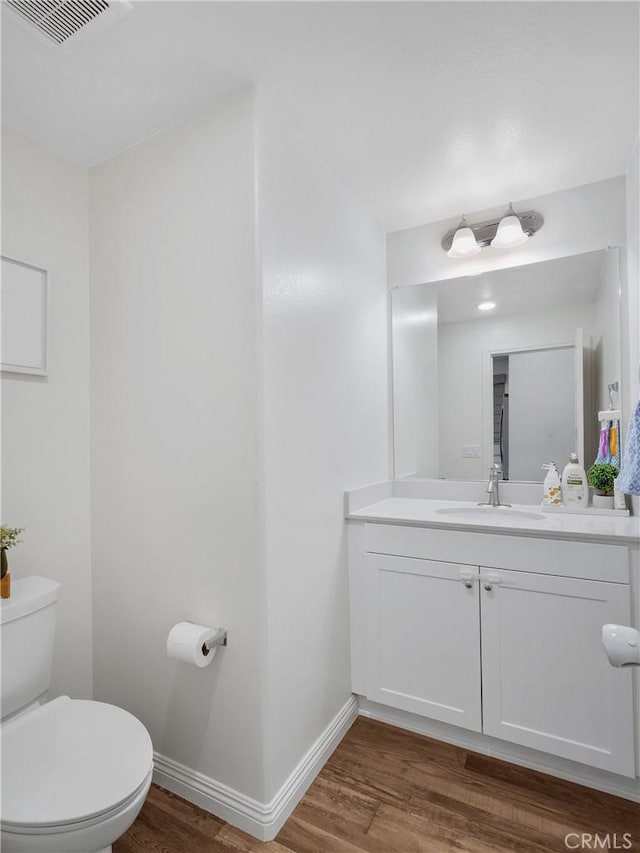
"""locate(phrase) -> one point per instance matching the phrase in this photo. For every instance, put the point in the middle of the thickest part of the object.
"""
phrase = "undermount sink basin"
(479, 512)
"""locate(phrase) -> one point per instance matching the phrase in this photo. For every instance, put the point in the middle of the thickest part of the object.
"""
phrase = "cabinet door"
(546, 680)
(423, 637)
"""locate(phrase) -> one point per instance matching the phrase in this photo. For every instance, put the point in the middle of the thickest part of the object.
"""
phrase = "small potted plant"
(8, 538)
(602, 476)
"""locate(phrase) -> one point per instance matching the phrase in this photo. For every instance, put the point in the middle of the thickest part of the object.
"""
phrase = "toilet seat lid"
(69, 760)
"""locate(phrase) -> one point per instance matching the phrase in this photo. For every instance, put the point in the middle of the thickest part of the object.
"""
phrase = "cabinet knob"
(468, 584)
(488, 587)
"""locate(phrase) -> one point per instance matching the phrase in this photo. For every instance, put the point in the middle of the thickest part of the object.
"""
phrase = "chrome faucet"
(493, 488)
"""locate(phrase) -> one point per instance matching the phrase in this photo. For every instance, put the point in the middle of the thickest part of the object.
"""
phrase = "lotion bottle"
(552, 488)
(575, 491)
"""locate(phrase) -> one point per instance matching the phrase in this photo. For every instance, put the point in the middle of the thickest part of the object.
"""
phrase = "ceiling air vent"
(66, 22)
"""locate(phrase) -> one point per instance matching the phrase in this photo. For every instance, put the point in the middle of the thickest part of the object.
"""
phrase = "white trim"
(262, 820)
(571, 771)
(211, 795)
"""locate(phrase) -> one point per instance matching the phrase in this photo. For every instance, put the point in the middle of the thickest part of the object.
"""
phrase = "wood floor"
(389, 791)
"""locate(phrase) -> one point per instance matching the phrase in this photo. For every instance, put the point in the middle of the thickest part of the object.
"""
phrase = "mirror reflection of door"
(534, 410)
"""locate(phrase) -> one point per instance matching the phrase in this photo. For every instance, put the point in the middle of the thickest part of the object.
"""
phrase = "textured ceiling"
(422, 109)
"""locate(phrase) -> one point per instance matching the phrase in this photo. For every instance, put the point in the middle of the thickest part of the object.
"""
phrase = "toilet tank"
(27, 631)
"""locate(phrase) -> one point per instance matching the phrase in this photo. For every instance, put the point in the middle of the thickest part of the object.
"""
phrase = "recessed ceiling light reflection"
(486, 306)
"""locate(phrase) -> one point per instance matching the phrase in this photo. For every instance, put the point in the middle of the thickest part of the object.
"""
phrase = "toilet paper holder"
(218, 639)
(622, 645)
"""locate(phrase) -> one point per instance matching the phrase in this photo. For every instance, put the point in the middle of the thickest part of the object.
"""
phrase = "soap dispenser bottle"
(552, 488)
(575, 491)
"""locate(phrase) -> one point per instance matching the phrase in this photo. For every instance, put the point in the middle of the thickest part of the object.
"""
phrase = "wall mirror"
(509, 366)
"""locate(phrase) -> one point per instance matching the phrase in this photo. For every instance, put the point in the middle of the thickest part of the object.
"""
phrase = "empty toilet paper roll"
(186, 642)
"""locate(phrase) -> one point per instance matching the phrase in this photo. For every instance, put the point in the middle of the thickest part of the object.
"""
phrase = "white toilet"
(75, 773)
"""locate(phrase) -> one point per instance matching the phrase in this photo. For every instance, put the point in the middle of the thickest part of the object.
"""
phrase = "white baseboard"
(262, 820)
(212, 796)
(571, 771)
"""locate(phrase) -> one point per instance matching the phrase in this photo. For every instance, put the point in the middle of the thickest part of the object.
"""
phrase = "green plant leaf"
(602, 475)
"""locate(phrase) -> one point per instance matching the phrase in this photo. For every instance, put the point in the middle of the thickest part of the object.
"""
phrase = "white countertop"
(423, 512)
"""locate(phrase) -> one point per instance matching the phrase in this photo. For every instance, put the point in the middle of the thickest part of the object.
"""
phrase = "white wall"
(176, 461)
(463, 349)
(578, 220)
(237, 391)
(45, 421)
(606, 341)
(631, 326)
(414, 312)
(631, 298)
(325, 425)
(632, 290)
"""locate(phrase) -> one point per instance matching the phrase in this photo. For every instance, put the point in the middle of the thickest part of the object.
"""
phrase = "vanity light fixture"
(463, 242)
(511, 230)
(486, 306)
(509, 233)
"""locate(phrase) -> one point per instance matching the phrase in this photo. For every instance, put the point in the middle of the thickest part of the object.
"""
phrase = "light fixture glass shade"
(509, 233)
(464, 243)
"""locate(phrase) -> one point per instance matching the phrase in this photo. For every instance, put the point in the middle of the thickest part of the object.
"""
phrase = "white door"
(423, 630)
(542, 432)
(547, 683)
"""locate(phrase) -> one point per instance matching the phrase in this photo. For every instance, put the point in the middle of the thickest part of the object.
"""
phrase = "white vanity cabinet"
(546, 681)
(423, 629)
(496, 634)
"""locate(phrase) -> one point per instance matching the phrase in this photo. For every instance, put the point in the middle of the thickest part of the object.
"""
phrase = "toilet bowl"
(75, 774)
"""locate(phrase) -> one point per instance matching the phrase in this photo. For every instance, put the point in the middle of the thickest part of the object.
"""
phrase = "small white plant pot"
(603, 501)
